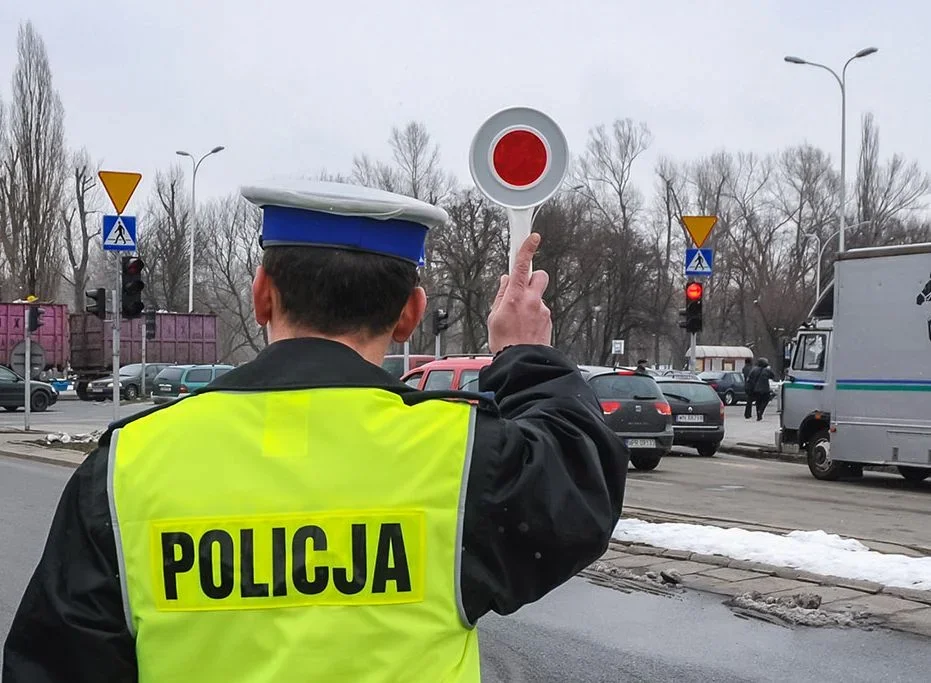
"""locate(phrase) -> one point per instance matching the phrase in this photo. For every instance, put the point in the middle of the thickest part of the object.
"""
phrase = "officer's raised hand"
(519, 315)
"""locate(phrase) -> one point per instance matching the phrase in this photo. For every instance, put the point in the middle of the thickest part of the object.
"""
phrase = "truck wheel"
(645, 462)
(819, 458)
(914, 474)
(39, 402)
(131, 393)
(80, 389)
(729, 398)
(706, 450)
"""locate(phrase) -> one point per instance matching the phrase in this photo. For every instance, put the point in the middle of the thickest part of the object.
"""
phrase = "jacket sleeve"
(545, 486)
(70, 627)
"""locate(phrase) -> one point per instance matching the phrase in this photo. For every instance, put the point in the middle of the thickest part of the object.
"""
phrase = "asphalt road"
(578, 633)
(880, 507)
(71, 415)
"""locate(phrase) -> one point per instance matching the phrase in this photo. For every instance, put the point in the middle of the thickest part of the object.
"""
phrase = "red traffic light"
(694, 291)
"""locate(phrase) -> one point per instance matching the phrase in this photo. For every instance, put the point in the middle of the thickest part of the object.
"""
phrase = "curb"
(47, 459)
(761, 453)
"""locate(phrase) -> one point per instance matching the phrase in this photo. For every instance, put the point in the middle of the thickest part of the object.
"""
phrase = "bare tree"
(163, 240)
(33, 162)
(75, 214)
(231, 256)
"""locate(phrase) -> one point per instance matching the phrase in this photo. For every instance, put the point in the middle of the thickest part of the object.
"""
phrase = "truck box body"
(881, 365)
(52, 336)
(180, 338)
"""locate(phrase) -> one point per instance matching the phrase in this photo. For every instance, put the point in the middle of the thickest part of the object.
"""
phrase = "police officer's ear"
(411, 315)
(263, 296)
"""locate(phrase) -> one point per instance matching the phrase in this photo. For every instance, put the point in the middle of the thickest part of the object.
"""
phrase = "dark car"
(697, 414)
(636, 410)
(13, 392)
(130, 382)
(180, 380)
(729, 385)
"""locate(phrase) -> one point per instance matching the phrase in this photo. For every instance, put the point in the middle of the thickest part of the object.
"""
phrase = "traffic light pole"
(115, 321)
(27, 369)
(437, 344)
(145, 336)
(694, 346)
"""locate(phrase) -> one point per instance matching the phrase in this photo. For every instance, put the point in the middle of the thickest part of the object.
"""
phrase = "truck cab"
(805, 397)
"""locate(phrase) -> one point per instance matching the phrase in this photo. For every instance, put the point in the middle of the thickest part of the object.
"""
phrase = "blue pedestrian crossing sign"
(119, 233)
(698, 261)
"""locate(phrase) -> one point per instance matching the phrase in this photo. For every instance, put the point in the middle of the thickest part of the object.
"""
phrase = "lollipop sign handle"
(520, 222)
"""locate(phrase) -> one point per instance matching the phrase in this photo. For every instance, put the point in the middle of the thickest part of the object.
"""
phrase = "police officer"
(308, 517)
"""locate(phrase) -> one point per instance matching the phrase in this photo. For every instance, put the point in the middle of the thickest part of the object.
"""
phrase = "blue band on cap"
(283, 225)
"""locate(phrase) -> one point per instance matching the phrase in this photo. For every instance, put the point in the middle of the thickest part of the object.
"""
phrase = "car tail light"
(714, 385)
(722, 411)
(662, 407)
(182, 389)
(610, 406)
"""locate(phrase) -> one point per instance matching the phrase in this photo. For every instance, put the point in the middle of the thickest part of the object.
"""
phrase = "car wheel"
(914, 474)
(11, 409)
(39, 402)
(706, 450)
(729, 398)
(819, 458)
(131, 393)
(645, 462)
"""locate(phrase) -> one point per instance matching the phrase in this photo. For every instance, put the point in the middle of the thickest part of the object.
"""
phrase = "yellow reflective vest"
(301, 535)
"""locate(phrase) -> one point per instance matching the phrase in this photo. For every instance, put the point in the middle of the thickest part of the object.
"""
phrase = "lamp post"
(821, 248)
(196, 163)
(842, 82)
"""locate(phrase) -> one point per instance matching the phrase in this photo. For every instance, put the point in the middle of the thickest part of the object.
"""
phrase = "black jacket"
(543, 496)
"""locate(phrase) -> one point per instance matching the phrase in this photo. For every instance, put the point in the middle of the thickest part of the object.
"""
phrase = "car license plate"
(164, 387)
(641, 443)
(690, 418)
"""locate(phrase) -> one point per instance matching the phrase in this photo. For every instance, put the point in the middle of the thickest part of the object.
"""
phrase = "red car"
(449, 372)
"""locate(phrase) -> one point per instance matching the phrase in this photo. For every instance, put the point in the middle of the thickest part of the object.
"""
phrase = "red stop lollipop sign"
(519, 158)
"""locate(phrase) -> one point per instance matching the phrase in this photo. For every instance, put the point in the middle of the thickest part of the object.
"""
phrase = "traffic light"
(440, 321)
(132, 287)
(34, 318)
(694, 291)
(99, 307)
(150, 325)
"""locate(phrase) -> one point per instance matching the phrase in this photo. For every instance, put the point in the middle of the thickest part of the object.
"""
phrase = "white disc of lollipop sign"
(519, 158)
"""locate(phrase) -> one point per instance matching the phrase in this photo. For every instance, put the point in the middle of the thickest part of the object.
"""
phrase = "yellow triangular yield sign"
(119, 186)
(699, 227)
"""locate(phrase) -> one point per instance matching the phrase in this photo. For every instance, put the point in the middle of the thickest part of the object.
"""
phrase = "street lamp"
(813, 235)
(842, 82)
(196, 163)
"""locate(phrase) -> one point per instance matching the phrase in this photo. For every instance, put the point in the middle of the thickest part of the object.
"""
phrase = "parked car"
(394, 364)
(635, 408)
(697, 414)
(729, 385)
(130, 378)
(13, 392)
(450, 372)
(179, 380)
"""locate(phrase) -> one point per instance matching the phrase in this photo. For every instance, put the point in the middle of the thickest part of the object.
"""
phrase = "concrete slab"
(827, 593)
(908, 594)
(880, 605)
(917, 621)
(719, 560)
(728, 574)
(684, 567)
(710, 585)
(611, 553)
(677, 554)
(773, 584)
(632, 561)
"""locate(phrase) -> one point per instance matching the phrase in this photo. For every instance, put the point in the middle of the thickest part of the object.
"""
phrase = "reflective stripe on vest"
(295, 535)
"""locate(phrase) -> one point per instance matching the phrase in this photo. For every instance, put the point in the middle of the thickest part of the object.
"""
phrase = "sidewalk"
(752, 438)
(776, 594)
(16, 445)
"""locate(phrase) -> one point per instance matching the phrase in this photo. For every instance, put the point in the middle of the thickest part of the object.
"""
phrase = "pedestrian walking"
(309, 517)
(759, 378)
(749, 369)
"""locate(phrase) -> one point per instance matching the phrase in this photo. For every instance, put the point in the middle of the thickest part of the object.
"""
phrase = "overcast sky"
(294, 86)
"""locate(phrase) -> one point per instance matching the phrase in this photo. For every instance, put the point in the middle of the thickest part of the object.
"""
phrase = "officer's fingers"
(539, 281)
(520, 273)
(502, 288)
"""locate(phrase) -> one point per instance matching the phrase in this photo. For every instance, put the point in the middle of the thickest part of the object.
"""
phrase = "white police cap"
(342, 216)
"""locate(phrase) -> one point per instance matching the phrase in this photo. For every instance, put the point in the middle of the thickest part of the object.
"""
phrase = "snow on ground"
(813, 551)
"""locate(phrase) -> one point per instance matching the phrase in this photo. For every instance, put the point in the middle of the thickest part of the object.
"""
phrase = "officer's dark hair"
(337, 292)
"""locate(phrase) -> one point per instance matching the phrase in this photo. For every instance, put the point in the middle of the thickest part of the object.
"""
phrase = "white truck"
(858, 390)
